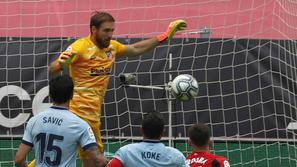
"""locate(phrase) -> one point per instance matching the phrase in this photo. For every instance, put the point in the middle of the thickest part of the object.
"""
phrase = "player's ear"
(190, 143)
(162, 134)
(94, 29)
(210, 142)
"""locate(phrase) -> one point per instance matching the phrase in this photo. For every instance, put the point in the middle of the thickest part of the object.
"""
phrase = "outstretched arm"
(141, 47)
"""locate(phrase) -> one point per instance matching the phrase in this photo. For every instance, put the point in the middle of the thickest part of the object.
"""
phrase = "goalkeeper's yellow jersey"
(90, 70)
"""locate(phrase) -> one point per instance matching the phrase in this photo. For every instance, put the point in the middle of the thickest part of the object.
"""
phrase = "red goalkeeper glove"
(173, 27)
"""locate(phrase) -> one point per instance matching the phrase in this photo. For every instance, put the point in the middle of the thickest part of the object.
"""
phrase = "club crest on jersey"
(109, 55)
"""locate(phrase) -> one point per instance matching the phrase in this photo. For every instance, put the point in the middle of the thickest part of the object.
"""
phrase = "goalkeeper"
(90, 61)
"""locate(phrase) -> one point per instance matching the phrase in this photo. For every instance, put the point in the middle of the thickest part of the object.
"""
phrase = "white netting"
(246, 71)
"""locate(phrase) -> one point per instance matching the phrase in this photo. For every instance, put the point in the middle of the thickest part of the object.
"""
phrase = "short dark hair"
(100, 17)
(61, 89)
(215, 163)
(199, 134)
(153, 125)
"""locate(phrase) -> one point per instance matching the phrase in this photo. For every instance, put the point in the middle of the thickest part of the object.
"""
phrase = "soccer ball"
(184, 87)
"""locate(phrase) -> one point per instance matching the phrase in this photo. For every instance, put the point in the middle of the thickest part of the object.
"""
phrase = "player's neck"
(156, 139)
(200, 149)
(95, 42)
(64, 105)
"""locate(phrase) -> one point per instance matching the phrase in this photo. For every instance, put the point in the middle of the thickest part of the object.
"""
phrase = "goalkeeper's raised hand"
(65, 58)
(61, 62)
(173, 27)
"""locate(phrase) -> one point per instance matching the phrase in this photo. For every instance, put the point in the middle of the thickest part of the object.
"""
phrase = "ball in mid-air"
(184, 87)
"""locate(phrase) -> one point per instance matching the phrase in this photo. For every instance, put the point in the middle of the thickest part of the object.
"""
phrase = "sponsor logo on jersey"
(226, 163)
(91, 134)
(100, 71)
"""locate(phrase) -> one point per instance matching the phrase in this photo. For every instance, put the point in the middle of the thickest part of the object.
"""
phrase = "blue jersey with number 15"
(55, 134)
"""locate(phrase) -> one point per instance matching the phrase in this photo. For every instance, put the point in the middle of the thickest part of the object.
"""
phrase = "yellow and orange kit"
(90, 70)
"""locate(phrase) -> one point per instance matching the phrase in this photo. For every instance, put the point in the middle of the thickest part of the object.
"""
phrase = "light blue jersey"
(55, 134)
(150, 153)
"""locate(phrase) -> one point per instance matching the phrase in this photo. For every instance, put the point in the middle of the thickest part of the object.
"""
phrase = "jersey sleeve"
(115, 163)
(87, 138)
(28, 137)
(77, 48)
(120, 155)
(120, 48)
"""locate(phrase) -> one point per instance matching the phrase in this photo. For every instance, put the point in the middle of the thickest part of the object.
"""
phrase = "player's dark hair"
(215, 163)
(199, 134)
(100, 17)
(153, 125)
(61, 89)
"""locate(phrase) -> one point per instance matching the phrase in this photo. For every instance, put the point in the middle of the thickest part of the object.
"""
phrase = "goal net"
(241, 52)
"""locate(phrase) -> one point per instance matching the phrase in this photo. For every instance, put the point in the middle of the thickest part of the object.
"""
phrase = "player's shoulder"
(33, 119)
(221, 159)
(174, 151)
(82, 42)
(190, 155)
(210, 155)
(77, 123)
(133, 147)
(130, 146)
(38, 117)
(42, 114)
(115, 44)
(74, 117)
(205, 155)
(66, 115)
